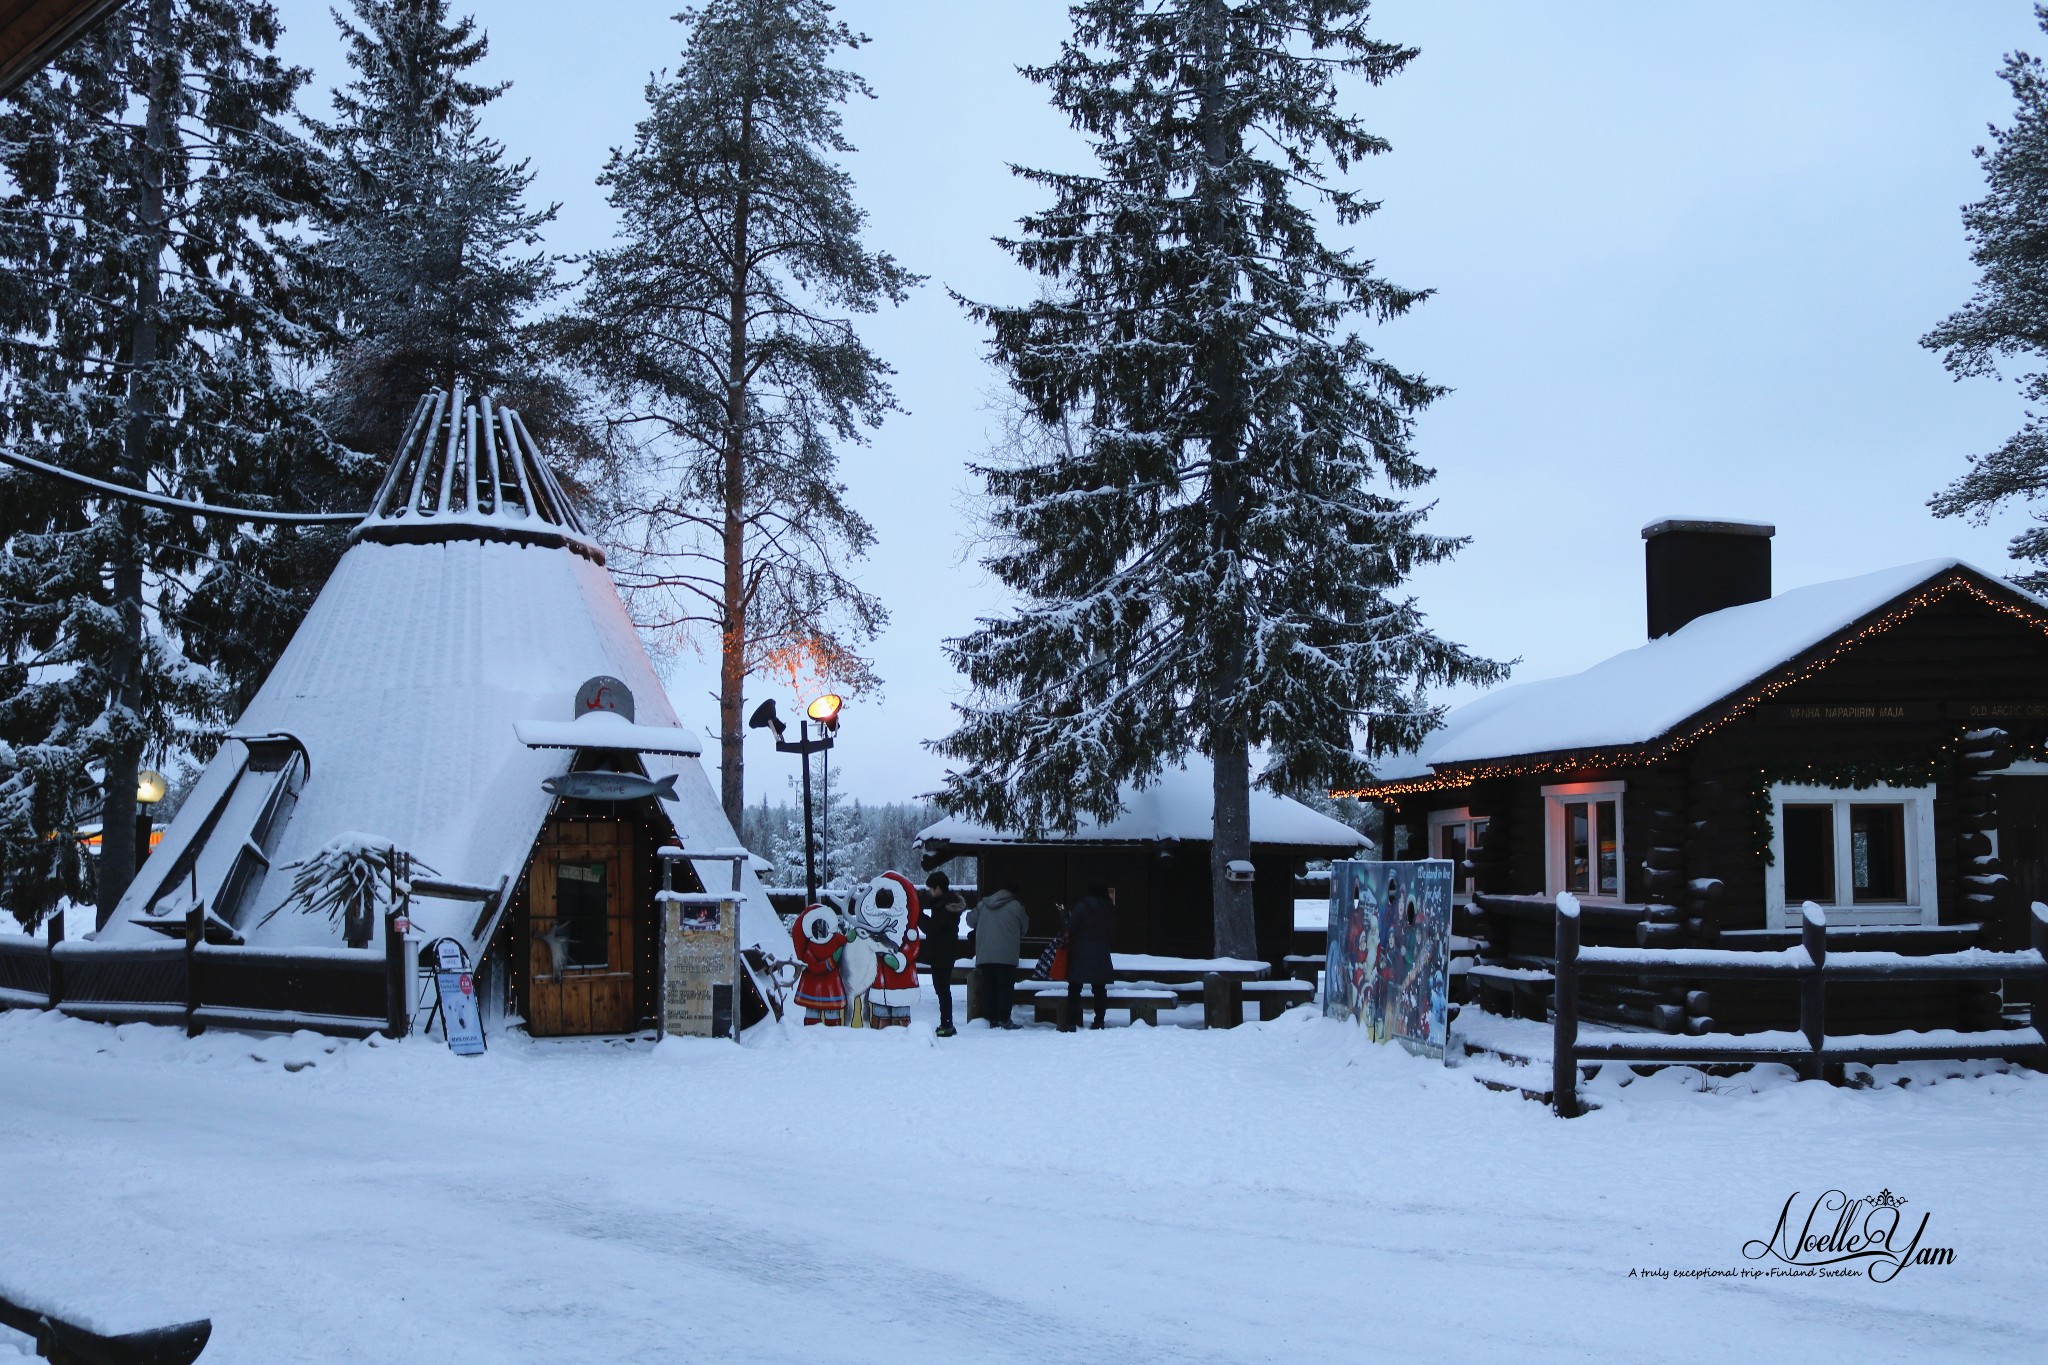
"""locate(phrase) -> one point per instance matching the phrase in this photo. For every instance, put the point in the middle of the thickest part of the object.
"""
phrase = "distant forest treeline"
(854, 840)
(857, 840)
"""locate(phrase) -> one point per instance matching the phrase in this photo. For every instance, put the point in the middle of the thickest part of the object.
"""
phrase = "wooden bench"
(1048, 1000)
(1277, 997)
(1303, 966)
(1172, 971)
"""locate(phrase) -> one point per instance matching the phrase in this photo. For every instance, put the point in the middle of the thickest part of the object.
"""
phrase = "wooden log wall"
(1925, 699)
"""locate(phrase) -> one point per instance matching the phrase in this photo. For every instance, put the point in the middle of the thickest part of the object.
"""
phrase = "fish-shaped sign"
(596, 786)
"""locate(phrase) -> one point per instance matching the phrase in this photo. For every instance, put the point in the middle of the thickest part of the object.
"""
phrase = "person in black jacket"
(941, 925)
(1090, 927)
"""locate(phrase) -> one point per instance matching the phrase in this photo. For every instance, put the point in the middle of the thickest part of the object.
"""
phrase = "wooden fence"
(352, 992)
(1812, 968)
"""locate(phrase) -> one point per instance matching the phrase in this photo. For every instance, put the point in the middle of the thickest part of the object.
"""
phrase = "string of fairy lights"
(1455, 777)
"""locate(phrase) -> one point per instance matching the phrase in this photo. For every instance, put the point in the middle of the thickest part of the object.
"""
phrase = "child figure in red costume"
(818, 947)
(888, 914)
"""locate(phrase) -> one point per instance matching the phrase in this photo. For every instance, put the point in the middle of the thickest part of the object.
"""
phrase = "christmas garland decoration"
(1957, 582)
(1863, 774)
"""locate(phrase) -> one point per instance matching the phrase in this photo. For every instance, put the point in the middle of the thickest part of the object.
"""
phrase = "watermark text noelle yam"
(1826, 1236)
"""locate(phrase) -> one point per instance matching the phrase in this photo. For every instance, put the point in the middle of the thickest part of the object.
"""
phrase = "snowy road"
(1281, 1192)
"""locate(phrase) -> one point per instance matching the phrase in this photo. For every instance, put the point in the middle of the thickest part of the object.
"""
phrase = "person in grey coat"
(998, 925)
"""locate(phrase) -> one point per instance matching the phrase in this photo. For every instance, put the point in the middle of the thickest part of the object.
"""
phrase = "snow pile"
(1287, 1191)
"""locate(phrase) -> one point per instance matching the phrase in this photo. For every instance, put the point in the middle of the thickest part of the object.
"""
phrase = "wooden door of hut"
(584, 930)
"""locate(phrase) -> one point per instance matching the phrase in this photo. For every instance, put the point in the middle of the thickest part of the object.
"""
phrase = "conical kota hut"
(430, 692)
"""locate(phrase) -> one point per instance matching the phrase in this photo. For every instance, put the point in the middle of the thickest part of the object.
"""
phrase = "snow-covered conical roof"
(446, 627)
(468, 469)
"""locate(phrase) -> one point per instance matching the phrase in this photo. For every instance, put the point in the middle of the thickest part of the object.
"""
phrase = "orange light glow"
(825, 710)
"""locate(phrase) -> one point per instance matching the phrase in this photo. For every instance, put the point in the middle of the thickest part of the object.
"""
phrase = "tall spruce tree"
(434, 254)
(427, 264)
(150, 304)
(1208, 531)
(2007, 316)
(722, 322)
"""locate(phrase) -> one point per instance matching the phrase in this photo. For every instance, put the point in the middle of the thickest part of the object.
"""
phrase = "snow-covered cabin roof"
(408, 683)
(1644, 694)
(1179, 804)
(467, 467)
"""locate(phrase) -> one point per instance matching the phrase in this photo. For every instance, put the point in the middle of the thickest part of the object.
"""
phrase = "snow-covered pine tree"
(433, 253)
(428, 262)
(2007, 316)
(1209, 530)
(722, 321)
(149, 301)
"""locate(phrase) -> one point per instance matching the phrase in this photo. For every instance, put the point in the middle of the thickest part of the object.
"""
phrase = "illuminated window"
(1584, 845)
(1866, 857)
(1455, 835)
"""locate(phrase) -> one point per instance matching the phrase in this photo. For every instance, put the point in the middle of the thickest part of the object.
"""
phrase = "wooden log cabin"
(1876, 745)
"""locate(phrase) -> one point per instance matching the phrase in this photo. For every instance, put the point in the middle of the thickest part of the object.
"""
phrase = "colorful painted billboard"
(1388, 967)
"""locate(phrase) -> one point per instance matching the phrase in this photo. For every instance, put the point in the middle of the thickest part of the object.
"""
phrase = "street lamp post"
(150, 788)
(825, 711)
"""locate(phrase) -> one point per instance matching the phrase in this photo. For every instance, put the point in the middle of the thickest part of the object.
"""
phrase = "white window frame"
(1554, 802)
(1922, 887)
(1440, 820)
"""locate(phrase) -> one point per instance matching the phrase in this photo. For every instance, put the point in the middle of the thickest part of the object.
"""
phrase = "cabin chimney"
(1692, 567)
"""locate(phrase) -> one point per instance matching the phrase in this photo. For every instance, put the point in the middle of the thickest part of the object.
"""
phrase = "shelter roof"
(1178, 805)
(33, 32)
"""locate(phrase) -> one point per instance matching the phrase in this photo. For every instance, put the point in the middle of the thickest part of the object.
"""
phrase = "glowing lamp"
(150, 787)
(825, 710)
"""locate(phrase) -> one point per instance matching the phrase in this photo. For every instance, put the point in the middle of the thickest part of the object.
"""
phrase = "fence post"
(2037, 935)
(1564, 1011)
(195, 934)
(56, 963)
(1813, 990)
(397, 1005)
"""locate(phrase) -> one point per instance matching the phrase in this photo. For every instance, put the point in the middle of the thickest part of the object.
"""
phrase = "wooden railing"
(1812, 968)
(195, 983)
(63, 1342)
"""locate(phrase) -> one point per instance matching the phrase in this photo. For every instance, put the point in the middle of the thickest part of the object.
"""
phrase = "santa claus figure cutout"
(819, 945)
(888, 918)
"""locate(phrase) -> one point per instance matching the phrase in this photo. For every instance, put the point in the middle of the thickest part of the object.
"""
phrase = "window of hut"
(1584, 847)
(1866, 857)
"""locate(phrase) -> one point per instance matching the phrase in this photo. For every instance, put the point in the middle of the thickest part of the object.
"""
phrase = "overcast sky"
(1683, 254)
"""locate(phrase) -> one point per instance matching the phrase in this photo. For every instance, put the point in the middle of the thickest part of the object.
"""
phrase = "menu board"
(700, 954)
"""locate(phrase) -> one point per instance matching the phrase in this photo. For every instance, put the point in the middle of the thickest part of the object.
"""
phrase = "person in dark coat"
(1090, 927)
(941, 925)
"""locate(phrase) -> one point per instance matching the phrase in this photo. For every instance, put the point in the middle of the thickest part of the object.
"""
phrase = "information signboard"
(455, 993)
(700, 955)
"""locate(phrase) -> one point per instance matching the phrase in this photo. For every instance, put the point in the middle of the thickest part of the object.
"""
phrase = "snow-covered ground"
(1279, 1192)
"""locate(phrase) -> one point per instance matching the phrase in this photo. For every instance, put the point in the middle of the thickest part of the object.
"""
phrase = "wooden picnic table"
(1171, 971)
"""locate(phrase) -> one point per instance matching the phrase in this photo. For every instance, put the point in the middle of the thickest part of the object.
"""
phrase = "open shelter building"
(1156, 854)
